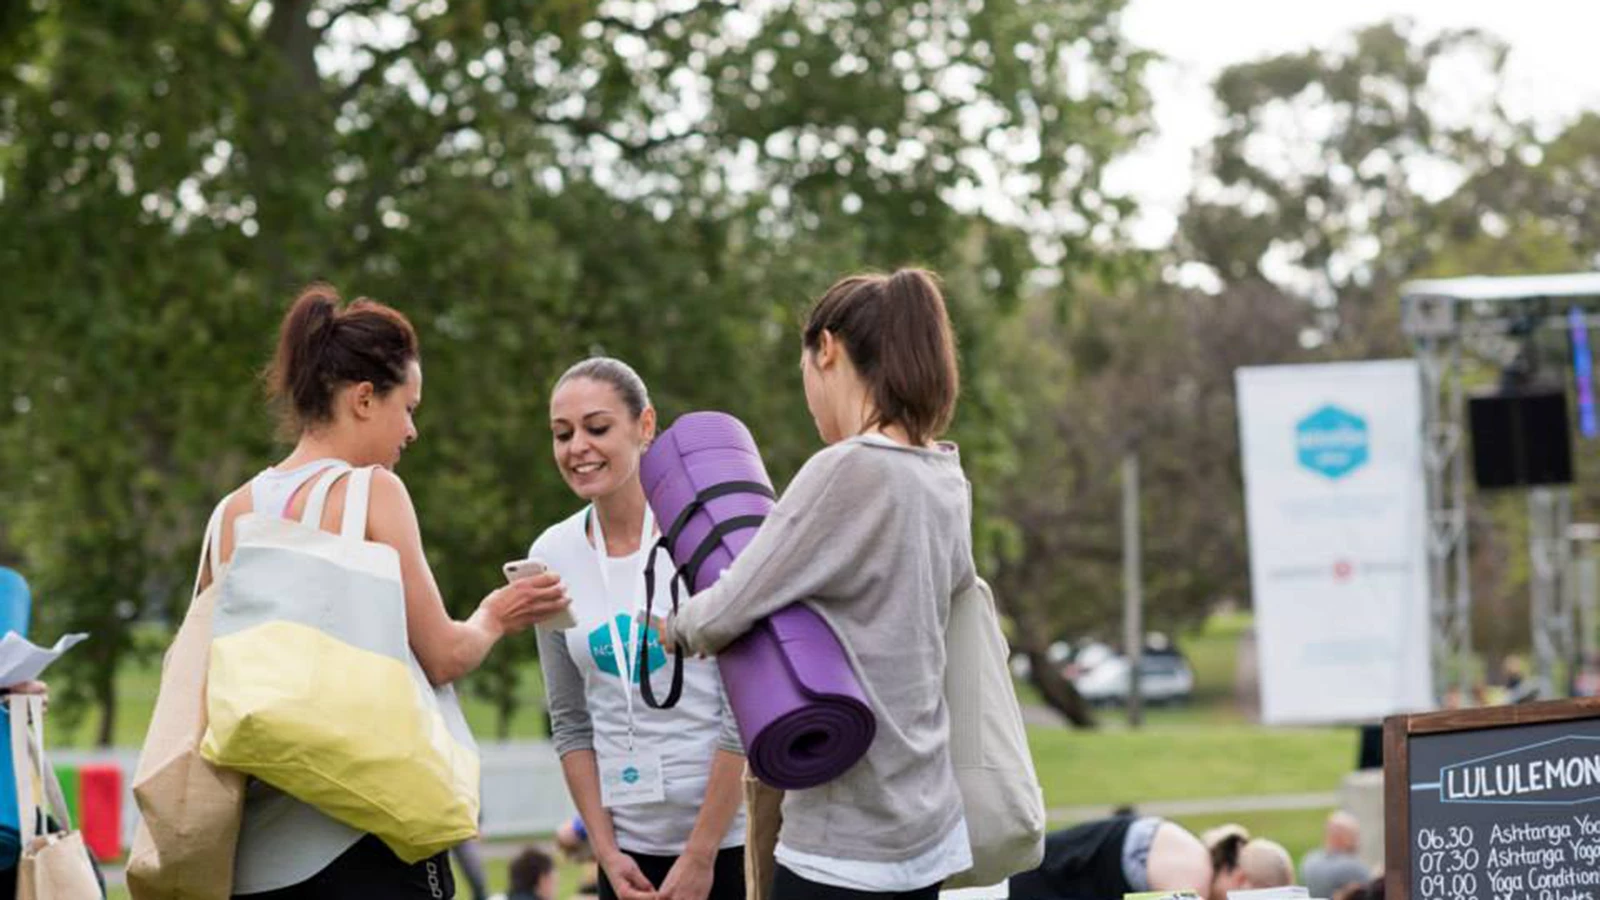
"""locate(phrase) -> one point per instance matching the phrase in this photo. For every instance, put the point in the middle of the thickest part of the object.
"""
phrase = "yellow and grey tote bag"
(312, 686)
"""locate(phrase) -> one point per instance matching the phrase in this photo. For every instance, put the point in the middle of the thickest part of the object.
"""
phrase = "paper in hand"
(22, 660)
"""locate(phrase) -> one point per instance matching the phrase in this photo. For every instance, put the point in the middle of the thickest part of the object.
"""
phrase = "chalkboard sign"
(1494, 804)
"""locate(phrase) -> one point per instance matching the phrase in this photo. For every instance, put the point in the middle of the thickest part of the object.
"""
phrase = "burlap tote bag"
(55, 864)
(189, 809)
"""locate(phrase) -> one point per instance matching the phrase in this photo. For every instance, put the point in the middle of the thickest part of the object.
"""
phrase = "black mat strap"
(646, 688)
(690, 571)
(711, 493)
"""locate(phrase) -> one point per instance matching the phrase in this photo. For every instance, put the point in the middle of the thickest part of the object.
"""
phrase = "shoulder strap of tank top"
(210, 547)
(319, 493)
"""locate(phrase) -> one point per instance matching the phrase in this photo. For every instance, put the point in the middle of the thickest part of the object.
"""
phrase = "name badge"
(627, 779)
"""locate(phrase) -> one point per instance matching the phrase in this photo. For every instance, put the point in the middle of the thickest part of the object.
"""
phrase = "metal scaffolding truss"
(1488, 317)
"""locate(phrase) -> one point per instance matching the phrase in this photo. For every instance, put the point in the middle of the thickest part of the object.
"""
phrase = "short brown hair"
(897, 332)
(322, 348)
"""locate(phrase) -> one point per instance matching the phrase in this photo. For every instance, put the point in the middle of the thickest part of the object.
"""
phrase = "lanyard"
(619, 646)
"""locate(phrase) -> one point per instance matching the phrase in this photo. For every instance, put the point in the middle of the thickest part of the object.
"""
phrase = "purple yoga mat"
(801, 712)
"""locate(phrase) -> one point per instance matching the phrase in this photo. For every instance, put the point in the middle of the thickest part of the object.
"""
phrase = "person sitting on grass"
(1132, 854)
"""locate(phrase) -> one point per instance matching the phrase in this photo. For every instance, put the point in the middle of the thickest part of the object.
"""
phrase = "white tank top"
(283, 842)
(270, 491)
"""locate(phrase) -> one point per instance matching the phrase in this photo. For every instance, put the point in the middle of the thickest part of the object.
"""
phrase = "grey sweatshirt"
(876, 537)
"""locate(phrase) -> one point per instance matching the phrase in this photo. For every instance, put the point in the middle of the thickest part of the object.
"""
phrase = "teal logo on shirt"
(630, 775)
(605, 659)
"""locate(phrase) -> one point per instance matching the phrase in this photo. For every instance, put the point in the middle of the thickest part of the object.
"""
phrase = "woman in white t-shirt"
(659, 790)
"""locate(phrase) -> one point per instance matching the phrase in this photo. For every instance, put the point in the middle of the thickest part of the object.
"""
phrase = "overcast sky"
(1552, 71)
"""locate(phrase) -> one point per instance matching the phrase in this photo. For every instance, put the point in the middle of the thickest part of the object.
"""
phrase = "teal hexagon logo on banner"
(1332, 442)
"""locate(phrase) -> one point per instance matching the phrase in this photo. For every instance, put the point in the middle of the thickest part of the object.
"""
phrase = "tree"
(1326, 175)
(530, 181)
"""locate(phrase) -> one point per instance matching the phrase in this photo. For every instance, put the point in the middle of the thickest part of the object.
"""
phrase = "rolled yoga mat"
(801, 711)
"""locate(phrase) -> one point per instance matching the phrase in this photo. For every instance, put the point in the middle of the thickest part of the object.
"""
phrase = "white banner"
(1337, 509)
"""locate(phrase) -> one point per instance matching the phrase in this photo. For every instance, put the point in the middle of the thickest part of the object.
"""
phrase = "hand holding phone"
(516, 570)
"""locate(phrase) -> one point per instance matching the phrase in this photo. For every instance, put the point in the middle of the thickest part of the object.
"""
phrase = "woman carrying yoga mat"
(874, 534)
(658, 790)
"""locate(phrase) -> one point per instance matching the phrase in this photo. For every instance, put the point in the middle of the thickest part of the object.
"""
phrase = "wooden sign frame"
(1397, 734)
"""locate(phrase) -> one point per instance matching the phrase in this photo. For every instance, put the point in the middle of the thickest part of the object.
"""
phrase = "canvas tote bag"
(189, 809)
(1003, 804)
(989, 745)
(55, 864)
(312, 686)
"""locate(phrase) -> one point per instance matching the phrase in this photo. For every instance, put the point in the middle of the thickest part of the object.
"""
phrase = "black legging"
(786, 885)
(370, 869)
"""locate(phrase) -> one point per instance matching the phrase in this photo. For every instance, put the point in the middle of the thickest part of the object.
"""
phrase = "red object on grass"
(100, 809)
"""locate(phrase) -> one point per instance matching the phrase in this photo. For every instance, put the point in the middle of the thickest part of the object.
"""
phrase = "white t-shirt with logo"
(588, 710)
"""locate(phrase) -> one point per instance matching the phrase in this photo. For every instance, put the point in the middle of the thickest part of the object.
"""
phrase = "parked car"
(1164, 677)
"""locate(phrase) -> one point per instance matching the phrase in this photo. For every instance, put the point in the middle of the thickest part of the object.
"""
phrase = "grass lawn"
(1203, 748)
(1171, 762)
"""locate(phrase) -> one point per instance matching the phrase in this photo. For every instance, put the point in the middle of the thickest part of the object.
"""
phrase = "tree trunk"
(290, 33)
(504, 708)
(287, 116)
(105, 695)
(1057, 691)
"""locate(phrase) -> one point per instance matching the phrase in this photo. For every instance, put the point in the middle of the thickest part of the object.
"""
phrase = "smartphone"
(519, 569)
(516, 570)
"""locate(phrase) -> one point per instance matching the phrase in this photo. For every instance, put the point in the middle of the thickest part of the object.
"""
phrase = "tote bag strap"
(210, 548)
(319, 494)
(356, 500)
(22, 770)
(55, 800)
(26, 712)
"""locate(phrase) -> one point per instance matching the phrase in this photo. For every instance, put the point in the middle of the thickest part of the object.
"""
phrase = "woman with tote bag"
(349, 381)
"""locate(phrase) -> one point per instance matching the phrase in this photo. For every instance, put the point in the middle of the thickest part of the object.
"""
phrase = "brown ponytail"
(897, 332)
(322, 348)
